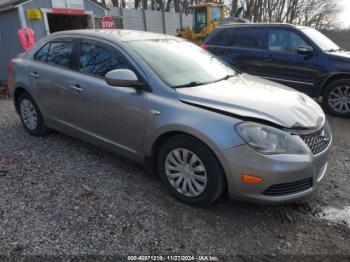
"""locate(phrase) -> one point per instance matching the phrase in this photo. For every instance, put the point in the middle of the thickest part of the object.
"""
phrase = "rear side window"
(97, 60)
(240, 37)
(223, 37)
(42, 54)
(248, 38)
(60, 53)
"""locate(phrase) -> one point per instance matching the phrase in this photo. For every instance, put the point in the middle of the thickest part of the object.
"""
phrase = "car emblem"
(324, 136)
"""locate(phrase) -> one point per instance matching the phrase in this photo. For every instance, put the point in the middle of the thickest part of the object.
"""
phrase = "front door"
(115, 115)
(49, 73)
(286, 66)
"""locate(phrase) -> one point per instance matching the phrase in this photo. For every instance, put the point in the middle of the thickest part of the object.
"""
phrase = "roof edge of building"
(13, 4)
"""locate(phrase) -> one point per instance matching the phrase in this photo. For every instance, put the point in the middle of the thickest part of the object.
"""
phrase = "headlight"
(269, 140)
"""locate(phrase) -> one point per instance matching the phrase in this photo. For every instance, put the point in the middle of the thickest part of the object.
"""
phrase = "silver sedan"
(203, 127)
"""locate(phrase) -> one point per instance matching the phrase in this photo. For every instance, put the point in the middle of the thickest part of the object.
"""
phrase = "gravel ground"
(60, 196)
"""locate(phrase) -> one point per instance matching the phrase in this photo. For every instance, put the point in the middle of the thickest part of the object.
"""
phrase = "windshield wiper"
(227, 77)
(191, 84)
(334, 50)
(197, 83)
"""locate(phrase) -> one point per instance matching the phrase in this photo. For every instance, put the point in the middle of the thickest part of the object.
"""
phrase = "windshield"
(180, 63)
(320, 39)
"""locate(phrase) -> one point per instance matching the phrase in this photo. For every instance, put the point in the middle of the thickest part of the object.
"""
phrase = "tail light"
(10, 77)
(204, 46)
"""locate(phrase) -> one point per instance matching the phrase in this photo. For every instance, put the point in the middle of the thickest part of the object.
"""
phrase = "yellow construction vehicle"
(207, 16)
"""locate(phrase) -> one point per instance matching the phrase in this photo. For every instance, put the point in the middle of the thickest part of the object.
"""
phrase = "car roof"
(117, 34)
(261, 25)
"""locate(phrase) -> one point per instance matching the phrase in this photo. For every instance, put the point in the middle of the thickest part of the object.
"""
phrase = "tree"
(234, 7)
(315, 13)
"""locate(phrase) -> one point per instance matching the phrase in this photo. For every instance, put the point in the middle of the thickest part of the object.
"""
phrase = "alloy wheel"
(185, 172)
(339, 99)
(29, 114)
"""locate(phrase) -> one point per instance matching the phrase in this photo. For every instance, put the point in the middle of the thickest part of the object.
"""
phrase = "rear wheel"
(31, 117)
(190, 171)
(336, 98)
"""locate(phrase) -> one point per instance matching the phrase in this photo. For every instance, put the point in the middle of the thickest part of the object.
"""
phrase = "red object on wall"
(68, 11)
(108, 22)
(26, 38)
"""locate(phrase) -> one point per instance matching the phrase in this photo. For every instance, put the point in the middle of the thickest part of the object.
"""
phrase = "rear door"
(243, 47)
(112, 114)
(49, 73)
(286, 65)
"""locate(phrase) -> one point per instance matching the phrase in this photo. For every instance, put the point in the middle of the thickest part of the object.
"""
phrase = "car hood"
(340, 55)
(254, 97)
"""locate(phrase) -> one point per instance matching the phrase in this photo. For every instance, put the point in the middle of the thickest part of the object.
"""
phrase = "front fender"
(16, 87)
(213, 129)
(30, 91)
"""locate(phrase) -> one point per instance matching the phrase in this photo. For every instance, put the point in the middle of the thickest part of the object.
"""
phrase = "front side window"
(96, 60)
(285, 41)
(179, 62)
(60, 53)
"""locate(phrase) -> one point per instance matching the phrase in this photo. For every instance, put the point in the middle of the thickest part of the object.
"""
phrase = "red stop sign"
(107, 22)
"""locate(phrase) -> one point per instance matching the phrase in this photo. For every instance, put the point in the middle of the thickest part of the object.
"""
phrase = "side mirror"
(305, 50)
(124, 78)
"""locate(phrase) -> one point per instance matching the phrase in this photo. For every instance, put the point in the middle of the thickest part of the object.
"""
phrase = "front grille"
(318, 141)
(289, 188)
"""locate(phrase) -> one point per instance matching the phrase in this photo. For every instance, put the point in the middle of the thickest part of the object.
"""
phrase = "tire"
(203, 192)
(31, 116)
(337, 88)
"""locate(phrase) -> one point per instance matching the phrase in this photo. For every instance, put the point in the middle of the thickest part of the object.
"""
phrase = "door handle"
(76, 88)
(268, 57)
(34, 74)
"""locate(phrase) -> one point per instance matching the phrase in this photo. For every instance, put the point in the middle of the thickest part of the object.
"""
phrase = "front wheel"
(336, 98)
(190, 171)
